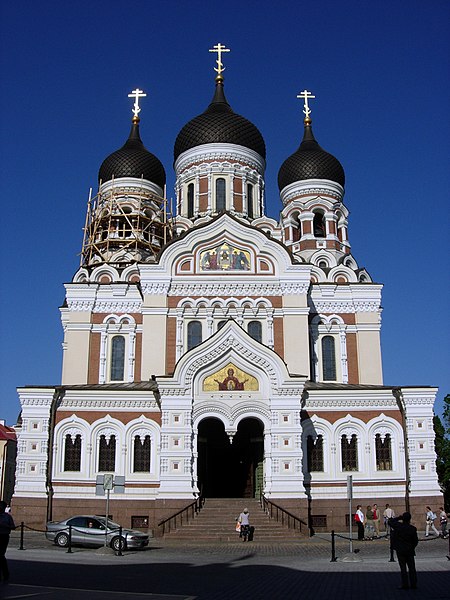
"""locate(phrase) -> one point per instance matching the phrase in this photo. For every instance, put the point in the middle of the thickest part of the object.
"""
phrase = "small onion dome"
(133, 160)
(310, 161)
(219, 124)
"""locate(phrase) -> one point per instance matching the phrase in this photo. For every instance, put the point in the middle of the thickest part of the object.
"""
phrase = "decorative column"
(102, 362)
(131, 353)
(343, 344)
(179, 333)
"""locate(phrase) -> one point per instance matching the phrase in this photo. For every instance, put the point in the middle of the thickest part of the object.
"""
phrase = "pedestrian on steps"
(244, 520)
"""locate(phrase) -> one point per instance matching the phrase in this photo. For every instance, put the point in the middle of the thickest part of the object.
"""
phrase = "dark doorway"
(230, 470)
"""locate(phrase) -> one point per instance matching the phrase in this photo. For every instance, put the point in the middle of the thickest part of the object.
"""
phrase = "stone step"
(216, 520)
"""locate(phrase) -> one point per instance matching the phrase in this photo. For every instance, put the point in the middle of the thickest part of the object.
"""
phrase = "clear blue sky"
(380, 74)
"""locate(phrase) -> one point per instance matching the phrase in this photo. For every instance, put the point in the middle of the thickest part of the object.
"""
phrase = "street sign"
(350, 487)
(108, 481)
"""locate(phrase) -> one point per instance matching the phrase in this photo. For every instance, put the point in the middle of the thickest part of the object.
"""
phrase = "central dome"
(219, 124)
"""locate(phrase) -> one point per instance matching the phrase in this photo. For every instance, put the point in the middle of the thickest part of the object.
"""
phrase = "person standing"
(443, 521)
(6, 525)
(368, 522)
(388, 514)
(376, 520)
(404, 542)
(430, 517)
(359, 520)
(244, 520)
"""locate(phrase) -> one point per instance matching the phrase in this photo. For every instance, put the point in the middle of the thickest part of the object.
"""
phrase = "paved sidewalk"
(235, 571)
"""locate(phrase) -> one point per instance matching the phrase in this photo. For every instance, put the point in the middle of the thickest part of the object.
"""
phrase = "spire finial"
(219, 48)
(305, 95)
(136, 94)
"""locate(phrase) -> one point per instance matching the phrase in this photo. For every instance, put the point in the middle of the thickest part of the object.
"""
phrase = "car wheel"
(62, 540)
(118, 543)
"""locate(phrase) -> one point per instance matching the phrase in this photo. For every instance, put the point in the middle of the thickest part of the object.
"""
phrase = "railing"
(184, 515)
(282, 515)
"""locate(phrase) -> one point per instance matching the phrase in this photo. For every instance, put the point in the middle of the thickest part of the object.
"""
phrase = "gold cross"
(306, 96)
(136, 94)
(219, 48)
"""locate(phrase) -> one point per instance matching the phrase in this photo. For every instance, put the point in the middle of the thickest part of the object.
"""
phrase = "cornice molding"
(344, 306)
(234, 288)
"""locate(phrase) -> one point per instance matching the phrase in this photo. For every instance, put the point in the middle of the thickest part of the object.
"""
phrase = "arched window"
(194, 331)
(319, 225)
(107, 453)
(221, 203)
(315, 453)
(141, 457)
(72, 453)
(220, 324)
(190, 201)
(255, 330)
(250, 201)
(383, 452)
(328, 358)
(117, 358)
(349, 451)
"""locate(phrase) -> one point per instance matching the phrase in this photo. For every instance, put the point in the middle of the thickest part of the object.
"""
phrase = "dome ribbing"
(133, 160)
(219, 124)
(310, 161)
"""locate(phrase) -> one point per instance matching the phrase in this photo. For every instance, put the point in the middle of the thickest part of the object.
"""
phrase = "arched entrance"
(230, 470)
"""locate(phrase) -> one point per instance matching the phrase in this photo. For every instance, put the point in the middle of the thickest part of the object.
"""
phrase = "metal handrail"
(281, 514)
(186, 513)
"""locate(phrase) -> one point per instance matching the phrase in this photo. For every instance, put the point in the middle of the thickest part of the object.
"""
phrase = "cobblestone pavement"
(237, 570)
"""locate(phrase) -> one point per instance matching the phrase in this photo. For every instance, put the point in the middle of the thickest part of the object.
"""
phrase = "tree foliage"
(442, 447)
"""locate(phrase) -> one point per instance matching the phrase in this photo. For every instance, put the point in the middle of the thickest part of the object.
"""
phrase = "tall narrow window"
(194, 331)
(72, 453)
(141, 454)
(328, 358)
(221, 203)
(255, 330)
(315, 453)
(383, 452)
(190, 201)
(349, 451)
(250, 201)
(319, 225)
(107, 453)
(117, 358)
(220, 324)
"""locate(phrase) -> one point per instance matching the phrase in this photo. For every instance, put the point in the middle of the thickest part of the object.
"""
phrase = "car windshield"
(111, 524)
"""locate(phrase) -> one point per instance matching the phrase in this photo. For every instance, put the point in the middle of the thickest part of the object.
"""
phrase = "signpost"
(350, 498)
(108, 484)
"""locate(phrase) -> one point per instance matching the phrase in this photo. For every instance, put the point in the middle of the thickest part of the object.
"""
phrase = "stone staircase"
(217, 520)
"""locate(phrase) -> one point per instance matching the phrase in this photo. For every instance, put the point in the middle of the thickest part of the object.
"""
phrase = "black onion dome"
(310, 161)
(133, 160)
(219, 124)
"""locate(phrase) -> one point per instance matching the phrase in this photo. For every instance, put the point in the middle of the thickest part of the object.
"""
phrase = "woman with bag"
(244, 520)
(359, 520)
(431, 516)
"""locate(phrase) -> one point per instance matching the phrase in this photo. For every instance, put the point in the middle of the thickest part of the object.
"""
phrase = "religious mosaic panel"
(225, 257)
(231, 379)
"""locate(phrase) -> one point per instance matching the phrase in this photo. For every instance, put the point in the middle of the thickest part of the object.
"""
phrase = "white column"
(179, 334)
(102, 362)
(131, 353)
(344, 362)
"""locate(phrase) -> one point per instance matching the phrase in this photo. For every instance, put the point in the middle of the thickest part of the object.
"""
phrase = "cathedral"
(212, 351)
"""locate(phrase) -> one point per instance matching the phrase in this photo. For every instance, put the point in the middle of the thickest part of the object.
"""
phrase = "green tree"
(442, 447)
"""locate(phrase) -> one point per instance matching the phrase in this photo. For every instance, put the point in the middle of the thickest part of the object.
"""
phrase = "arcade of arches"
(230, 469)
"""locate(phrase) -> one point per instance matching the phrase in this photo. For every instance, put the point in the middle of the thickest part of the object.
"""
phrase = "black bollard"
(333, 547)
(119, 551)
(69, 546)
(391, 548)
(22, 526)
